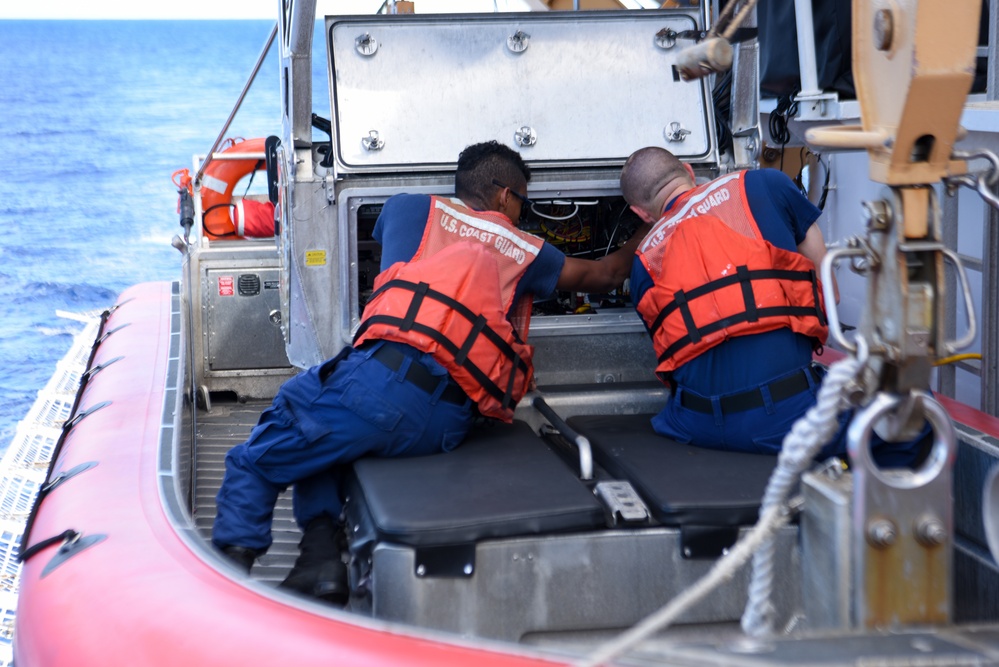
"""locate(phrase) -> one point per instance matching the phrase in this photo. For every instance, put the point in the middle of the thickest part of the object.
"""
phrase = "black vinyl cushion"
(502, 481)
(682, 484)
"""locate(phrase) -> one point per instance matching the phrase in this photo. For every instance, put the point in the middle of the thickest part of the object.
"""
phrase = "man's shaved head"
(647, 173)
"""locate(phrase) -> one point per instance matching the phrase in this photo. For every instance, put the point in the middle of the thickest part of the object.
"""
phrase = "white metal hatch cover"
(564, 88)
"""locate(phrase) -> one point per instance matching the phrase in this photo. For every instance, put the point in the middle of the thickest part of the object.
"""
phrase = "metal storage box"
(243, 319)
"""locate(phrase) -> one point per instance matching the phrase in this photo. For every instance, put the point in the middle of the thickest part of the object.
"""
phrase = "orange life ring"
(217, 184)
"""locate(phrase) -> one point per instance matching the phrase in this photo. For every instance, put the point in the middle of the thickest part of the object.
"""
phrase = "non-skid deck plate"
(682, 484)
(502, 481)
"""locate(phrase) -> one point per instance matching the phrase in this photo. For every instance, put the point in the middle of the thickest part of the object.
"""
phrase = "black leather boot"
(319, 571)
(241, 557)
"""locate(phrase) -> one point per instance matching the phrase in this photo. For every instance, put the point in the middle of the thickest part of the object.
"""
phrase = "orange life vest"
(715, 277)
(454, 299)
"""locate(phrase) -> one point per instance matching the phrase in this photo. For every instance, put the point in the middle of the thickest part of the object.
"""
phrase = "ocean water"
(95, 116)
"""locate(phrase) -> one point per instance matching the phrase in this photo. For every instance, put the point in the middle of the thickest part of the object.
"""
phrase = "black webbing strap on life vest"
(743, 276)
(815, 298)
(480, 327)
(419, 293)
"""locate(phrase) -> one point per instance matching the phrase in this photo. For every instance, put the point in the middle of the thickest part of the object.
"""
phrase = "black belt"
(747, 400)
(419, 376)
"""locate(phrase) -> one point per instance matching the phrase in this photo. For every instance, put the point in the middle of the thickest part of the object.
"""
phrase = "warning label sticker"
(315, 258)
(226, 286)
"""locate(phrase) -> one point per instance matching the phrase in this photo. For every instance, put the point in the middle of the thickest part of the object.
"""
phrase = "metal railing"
(236, 107)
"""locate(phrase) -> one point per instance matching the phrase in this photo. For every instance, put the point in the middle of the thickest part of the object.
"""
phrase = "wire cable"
(957, 357)
(778, 125)
(556, 218)
(821, 205)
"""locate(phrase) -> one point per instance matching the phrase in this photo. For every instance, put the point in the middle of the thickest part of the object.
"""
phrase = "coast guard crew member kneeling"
(726, 284)
(442, 337)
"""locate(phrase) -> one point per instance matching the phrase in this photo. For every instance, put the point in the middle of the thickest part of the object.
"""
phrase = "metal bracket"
(526, 136)
(329, 187)
(902, 534)
(118, 305)
(82, 414)
(61, 477)
(69, 548)
(373, 142)
(456, 560)
(903, 261)
(675, 132)
(94, 370)
(666, 38)
(951, 346)
(108, 333)
(622, 502)
(815, 107)
(707, 542)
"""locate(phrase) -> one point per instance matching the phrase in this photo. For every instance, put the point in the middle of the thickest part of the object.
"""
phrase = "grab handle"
(847, 137)
(581, 442)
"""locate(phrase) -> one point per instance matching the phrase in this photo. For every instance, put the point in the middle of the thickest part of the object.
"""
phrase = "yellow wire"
(957, 357)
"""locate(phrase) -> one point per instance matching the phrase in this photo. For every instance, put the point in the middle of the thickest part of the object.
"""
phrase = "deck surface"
(228, 424)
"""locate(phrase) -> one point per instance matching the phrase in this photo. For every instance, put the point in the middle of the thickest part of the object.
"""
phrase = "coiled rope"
(808, 435)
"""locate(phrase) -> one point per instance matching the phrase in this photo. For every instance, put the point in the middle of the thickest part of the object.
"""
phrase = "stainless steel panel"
(825, 545)
(595, 356)
(243, 308)
(563, 583)
(589, 88)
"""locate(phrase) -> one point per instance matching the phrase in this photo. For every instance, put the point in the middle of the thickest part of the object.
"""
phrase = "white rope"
(808, 435)
(770, 522)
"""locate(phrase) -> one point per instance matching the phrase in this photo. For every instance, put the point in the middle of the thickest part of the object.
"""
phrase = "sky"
(217, 9)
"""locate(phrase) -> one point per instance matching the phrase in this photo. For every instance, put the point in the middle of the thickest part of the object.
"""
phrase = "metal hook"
(983, 154)
(829, 294)
(991, 198)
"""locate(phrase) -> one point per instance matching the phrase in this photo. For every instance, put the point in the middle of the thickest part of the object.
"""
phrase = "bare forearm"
(623, 257)
(584, 275)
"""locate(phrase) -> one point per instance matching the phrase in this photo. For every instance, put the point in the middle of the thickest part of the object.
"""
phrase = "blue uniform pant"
(761, 430)
(316, 427)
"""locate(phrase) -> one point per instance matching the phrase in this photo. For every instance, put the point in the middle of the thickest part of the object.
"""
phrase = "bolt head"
(881, 533)
(931, 532)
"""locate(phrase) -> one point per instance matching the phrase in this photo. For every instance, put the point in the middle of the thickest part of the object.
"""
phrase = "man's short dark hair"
(480, 164)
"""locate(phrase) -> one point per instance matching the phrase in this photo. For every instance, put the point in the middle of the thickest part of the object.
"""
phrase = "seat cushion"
(502, 481)
(682, 484)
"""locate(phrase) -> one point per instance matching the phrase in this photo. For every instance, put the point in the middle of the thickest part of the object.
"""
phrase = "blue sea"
(95, 116)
